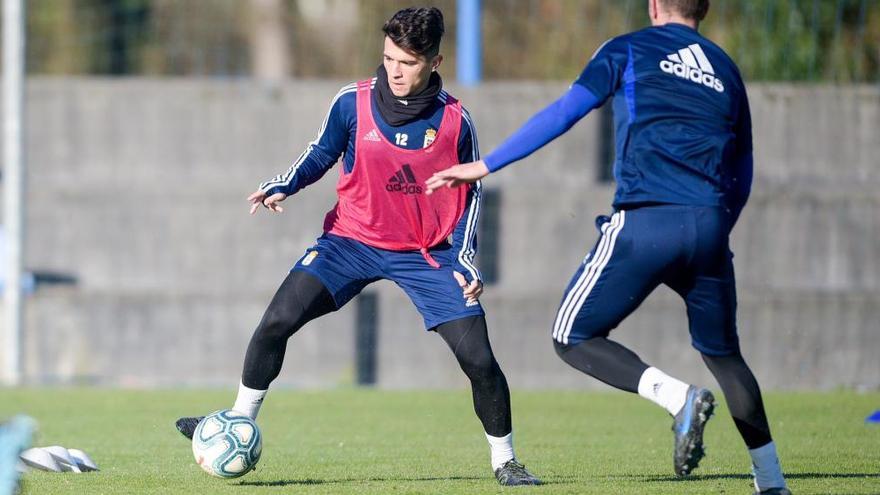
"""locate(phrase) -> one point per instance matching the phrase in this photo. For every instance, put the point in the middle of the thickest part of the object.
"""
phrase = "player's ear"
(435, 62)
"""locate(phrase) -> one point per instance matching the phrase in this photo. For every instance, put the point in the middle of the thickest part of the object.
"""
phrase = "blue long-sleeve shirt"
(337, 137)
(682, 120)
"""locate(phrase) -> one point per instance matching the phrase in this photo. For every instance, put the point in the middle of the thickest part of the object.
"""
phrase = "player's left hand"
(457, 175)
(258, 198)
(471, 291)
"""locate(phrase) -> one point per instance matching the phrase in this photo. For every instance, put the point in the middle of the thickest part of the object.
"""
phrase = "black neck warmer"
(399, 111)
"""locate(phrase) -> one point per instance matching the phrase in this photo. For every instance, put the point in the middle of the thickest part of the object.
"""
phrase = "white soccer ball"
(227, 444)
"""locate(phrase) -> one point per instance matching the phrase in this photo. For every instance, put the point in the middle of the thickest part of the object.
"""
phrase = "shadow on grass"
(563, 479)
(309, 481)
(285, 482)
(740, 476)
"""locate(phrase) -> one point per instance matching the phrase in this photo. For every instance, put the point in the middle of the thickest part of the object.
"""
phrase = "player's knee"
(277, 324)
(560, 348)
(479, 365)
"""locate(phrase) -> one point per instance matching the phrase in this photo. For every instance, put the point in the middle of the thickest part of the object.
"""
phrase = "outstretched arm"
(319, 157)
(311, 166)
(599, 80)
(542, 128)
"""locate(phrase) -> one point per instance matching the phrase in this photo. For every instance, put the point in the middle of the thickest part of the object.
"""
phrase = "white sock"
(501, 449)
(249, 401)
(663, 390)
(765, 467)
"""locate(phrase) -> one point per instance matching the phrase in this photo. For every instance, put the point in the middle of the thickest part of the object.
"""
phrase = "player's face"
(408, 73)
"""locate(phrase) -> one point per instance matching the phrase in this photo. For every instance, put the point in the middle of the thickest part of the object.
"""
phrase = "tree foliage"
(796, 40)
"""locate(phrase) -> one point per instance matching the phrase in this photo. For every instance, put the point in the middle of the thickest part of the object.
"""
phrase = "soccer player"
(683, 172)
(393, 131)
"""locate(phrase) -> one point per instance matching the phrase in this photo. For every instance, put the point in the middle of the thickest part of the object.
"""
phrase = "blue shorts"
(683, 247)
(345, 266)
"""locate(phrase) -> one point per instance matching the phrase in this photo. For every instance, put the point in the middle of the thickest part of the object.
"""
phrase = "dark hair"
(689, 9)
(417, 30)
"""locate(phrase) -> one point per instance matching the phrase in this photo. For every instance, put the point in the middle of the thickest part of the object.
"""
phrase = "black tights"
(743, 397)
(469, 340)
(302, 298)
(619, 367)
(605, 360)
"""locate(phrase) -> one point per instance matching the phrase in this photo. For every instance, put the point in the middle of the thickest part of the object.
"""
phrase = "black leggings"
(302, 298)
(620, 367)
(469, 340)
(743, 397)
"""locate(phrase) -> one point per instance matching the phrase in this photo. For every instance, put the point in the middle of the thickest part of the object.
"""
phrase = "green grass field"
(366, 441)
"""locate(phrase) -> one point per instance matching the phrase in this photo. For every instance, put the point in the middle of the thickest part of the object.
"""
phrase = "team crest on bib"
(430, 135)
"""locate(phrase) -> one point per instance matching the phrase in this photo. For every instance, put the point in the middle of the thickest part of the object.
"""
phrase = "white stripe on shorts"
(575, 297)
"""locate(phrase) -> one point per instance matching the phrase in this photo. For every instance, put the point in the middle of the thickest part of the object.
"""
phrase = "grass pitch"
(368, 441)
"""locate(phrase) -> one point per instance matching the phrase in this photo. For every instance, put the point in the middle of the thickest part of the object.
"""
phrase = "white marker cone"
(63, 457)
(82, 459)
(40, 459)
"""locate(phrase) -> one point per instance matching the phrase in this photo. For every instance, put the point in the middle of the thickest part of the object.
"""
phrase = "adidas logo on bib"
(372, 136)
(692, 64)
(404, 181)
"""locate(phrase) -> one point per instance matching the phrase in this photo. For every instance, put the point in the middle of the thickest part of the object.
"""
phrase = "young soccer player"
(683, 172)
(393, 131)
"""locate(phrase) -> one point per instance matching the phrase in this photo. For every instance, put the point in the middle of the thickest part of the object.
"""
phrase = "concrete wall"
(137, 187)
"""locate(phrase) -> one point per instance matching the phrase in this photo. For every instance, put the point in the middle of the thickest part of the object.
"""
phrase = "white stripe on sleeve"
(467, 253)
(285, 179)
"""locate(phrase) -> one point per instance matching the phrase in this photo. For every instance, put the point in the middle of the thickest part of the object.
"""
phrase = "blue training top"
(337, 138)
(683, 127)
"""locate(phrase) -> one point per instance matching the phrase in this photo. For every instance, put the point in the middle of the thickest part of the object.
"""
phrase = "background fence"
(772, 40)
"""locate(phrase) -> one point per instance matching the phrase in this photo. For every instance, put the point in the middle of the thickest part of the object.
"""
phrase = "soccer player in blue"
(393, 131)
(683, 172)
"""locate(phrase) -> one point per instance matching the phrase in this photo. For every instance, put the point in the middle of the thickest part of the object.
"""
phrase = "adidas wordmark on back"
(692, 64)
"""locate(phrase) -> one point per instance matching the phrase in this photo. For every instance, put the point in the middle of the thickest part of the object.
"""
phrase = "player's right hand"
(258, 198)
(457, 175)
(471, 291)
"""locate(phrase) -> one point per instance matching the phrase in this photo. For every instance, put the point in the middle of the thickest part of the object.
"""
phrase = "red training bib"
(382, 202)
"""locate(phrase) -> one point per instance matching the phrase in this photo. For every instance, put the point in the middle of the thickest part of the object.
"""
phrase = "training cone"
(58, 459)
(64, 459)
(82, 459)
(37, 458)
(873, 418)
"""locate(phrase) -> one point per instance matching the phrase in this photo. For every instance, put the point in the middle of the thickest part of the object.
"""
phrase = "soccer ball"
(227, 444)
